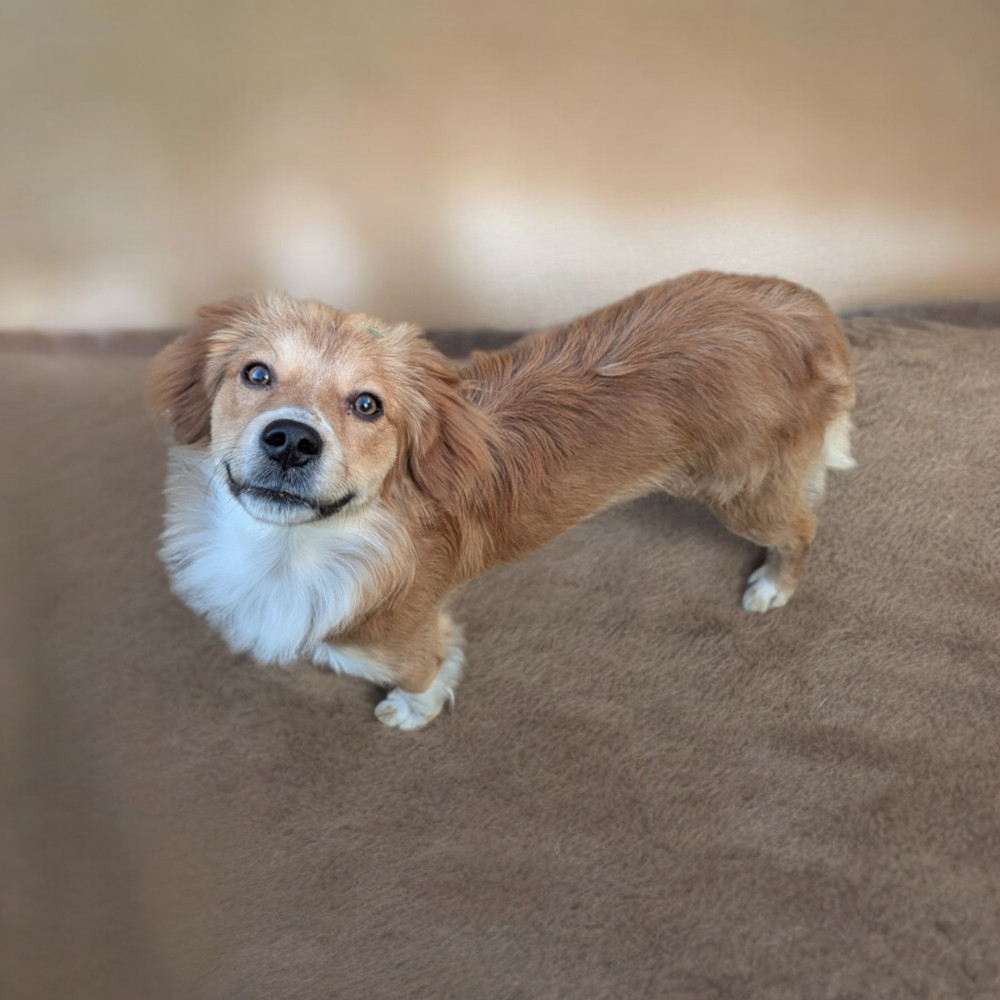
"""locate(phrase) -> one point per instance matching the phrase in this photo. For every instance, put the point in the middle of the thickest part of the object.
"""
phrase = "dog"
(333, 480)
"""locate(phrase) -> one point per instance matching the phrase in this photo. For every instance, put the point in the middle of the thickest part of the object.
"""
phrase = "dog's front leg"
(426, 683)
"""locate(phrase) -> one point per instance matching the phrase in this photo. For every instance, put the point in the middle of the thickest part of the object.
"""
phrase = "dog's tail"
(837, 443)
(836, 454)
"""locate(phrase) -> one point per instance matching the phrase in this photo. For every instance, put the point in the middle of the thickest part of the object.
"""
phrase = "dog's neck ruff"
(273, 591)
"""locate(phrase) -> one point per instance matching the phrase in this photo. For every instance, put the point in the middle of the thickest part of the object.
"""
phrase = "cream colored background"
(504, 164)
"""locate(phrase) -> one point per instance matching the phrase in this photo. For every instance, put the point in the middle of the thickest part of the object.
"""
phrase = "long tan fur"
(729, 389)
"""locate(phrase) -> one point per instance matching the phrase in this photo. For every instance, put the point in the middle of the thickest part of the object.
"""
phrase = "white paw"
(400, 710)
(406, 710)
(762, 593)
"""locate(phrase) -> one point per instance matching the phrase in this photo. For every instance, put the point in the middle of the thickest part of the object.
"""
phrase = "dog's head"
(308, 411)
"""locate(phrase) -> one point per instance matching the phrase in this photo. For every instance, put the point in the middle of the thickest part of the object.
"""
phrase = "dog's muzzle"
(279, 484)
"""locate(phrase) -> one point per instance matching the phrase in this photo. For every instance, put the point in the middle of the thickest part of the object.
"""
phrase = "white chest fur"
(272, 591)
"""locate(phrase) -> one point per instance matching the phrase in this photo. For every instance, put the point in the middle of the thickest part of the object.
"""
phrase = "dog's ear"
(179, 392)
(450, 448)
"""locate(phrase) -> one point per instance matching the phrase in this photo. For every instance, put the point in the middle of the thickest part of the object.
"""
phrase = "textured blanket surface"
(643, 791)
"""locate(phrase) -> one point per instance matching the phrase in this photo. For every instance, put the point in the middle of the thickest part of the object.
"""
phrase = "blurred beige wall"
(505, 164)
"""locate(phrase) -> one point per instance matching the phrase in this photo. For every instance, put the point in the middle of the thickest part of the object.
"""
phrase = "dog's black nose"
(289, 443)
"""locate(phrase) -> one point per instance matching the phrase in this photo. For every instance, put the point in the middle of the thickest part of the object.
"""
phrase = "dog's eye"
(256, 374)
(367, 406)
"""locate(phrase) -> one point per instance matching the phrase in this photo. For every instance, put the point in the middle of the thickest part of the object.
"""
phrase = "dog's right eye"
(256, 374)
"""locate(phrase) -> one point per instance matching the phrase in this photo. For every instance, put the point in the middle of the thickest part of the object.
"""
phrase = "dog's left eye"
(256, 374)
(366, 405)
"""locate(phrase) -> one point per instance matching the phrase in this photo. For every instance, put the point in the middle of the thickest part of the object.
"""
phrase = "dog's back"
(711, 385)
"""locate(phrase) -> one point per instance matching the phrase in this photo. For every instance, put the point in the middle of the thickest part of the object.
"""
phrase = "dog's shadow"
(661, 514)
(663, 527)
(651, 538)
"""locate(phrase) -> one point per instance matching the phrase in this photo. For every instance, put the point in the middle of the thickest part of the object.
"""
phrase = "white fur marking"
(836, 454)
(350, 661)
(273, 591)
(837, 443)
(762, 593)
(405, 710)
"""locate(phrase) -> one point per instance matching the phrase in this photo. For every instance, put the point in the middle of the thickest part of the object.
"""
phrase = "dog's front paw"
(763, 592)
(400, 710)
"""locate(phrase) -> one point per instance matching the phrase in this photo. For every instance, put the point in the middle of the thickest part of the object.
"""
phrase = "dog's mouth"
(285, 499)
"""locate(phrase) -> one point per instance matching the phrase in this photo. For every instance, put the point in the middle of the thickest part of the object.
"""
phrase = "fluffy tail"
(837, 443)
(836, 454)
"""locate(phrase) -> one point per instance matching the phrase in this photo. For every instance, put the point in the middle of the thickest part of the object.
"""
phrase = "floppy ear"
(178, 389)
(450, 448)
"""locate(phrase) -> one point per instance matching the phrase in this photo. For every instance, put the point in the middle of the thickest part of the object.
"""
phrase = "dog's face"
(306, 421)
(309, 412)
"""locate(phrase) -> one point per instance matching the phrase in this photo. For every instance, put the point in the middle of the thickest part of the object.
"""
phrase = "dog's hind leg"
(773, 583)
(785, 526)
(779, 516)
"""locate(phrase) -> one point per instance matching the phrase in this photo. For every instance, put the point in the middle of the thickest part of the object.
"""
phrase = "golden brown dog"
(334, 480)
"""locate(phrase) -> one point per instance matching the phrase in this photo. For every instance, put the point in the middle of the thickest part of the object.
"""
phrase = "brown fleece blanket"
(644, 791)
